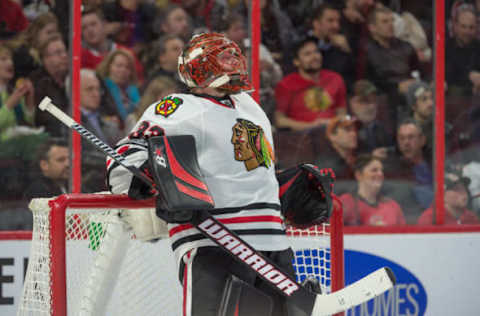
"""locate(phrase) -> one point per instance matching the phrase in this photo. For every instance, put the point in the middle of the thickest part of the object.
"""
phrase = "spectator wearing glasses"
(409, 171)
(93, 160)
(50, 81)
(456, 202)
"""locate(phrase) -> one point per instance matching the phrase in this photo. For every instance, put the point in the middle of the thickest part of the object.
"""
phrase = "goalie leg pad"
(242, 299)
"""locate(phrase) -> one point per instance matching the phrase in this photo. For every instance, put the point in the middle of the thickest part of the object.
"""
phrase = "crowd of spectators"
(347, 84)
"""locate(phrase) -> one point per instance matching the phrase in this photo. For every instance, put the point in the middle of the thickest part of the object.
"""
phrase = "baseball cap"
(453, 178)
(341, 121)
(415, 90)
(363, 88)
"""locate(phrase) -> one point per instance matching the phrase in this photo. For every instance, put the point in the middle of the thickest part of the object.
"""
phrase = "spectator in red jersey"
(95, 43)
(311, 96)
(456, 201)
(12, 19)
(367, 205)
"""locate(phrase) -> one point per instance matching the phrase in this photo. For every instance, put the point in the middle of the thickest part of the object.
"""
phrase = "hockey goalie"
(219, 146)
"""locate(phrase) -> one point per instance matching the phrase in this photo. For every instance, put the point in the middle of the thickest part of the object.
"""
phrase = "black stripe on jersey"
(240, 232)
(253, 206)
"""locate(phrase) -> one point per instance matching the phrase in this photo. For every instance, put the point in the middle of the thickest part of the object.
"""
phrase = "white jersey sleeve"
(156, 121)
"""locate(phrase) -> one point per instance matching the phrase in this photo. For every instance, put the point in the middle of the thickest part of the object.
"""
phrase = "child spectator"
(367, 205)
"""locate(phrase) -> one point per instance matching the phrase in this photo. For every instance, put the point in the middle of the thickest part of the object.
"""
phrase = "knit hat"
(453, 178)
(415, 90)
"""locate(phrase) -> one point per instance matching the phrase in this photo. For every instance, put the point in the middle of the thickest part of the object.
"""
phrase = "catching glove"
(306, 195)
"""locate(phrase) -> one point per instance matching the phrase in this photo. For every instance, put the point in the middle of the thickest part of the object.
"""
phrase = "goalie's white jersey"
(235, 152)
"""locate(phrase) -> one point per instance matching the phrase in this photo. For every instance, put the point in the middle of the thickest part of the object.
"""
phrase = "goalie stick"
(313, 304)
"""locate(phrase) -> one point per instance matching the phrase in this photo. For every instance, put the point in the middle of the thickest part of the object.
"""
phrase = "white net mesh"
(109, 272)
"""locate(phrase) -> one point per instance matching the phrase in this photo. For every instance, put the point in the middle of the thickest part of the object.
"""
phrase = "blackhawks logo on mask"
(167, 106)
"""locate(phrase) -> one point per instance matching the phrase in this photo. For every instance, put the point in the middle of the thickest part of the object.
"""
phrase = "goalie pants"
(204, 272)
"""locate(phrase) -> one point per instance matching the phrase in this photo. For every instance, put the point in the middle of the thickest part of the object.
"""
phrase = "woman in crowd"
(156, 90)
(367, 205)
(26, 45)
(16, 99)
(119, 76)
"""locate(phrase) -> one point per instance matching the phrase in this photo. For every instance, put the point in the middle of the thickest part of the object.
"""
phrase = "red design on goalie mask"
(213, 60)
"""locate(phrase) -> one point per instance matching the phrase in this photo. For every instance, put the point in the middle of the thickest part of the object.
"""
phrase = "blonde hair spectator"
(104, 68)
(156, 90)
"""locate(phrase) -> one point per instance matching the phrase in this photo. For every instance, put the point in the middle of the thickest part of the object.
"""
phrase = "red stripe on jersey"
(178, 170)
(193, 193)
(109, 161)
(122, 149)
(234, 220)
(284, 187)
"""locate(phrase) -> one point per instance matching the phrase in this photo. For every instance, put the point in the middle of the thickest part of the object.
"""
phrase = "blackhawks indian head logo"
(167, 106)
(250, 145)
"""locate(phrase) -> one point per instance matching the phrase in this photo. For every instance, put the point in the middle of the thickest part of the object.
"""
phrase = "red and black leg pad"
(178, 179)
(242, 299)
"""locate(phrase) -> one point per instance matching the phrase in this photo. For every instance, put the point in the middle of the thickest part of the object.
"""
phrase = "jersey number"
(146, 130)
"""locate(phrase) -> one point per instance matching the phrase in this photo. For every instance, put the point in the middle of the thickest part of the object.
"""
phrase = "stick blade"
(371, 286)
(44, 103)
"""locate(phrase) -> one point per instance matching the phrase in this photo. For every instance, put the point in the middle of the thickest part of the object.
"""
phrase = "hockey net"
(85, 261)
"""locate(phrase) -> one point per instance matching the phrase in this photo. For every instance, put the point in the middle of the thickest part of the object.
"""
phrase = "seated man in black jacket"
(53, 160)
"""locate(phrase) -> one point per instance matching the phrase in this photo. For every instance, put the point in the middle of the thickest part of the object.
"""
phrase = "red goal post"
(84, 261)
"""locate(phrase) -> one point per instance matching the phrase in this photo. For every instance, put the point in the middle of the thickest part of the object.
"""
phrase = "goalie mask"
(212, 60)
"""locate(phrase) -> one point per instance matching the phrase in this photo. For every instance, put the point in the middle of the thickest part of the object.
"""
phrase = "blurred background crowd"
(347, 84)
